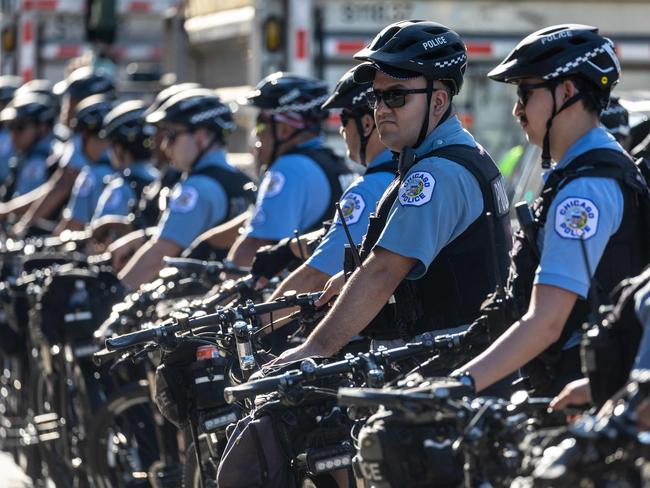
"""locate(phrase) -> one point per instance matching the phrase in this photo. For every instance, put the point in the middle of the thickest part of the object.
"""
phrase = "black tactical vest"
(240, 189)
(338, 174)
(626, 253)
(463, 273)
(155, 198)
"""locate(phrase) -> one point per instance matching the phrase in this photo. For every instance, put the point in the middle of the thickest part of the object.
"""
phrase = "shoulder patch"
(272, 184)
(416, 189)
(352, 206)
(576, 218)
(184, 199)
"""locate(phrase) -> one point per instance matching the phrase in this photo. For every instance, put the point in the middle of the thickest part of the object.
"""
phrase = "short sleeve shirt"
(293, 195)
(357, 203)
(437, 201)
(87, 189)
(197, 203)
(118, 197)
(589, 208)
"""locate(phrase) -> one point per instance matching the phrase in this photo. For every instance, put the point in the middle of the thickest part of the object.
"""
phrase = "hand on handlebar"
(332, 288)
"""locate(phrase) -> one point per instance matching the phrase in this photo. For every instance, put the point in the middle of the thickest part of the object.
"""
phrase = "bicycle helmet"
(352, 96)
(125, 124)
(31, 107)
(413, 48)
(292, 99)
(559, 52)
(90, 112)
(84, 82)
(167, 93)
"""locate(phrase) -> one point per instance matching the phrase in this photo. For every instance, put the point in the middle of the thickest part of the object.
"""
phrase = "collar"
(313, 142)
(381, 158)
(596, 138)
(449, 132)
(138, 167)
(212, 158)
(43, 145)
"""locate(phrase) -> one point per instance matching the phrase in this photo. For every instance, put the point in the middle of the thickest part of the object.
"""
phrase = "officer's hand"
(290, 355)
(577, 392)
(270, 260)
(332, 288)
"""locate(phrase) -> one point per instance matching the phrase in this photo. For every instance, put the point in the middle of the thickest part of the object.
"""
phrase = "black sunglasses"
(394, 98)
(171, 135)
(524, 90)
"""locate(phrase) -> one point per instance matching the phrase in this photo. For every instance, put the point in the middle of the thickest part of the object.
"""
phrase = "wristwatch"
(466, 379)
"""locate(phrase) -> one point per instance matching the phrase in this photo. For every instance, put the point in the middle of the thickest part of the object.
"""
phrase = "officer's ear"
(568, 90)
(439, 102)
(368, 124)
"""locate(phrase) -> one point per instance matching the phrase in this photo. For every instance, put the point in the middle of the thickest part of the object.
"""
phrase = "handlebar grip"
(139, 337)
(190, 264)
(233, 394)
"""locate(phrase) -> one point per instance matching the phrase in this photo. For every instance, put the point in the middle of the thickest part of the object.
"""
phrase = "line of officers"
(431, 214)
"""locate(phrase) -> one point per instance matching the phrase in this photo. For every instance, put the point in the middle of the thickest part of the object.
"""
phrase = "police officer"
(196, 125)
(8, 85)
(48, 200)
(363, 146)
(29, 118)
(616, 119)
(303, 178)
(155, 197)
(130, 153)
(588, 213)
(430, 244)
(87, 124)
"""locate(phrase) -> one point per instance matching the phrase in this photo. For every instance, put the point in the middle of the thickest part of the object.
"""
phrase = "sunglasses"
(524, 90)
(394, 98)
(171, 135)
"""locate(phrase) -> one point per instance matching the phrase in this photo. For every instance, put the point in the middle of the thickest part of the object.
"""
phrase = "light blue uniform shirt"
(33, 169)
(294, 194)
(437, 201)
(118, 197)
(6, 152)
(357, 203)
(197, 203)
(73, 154)
(593, 206)
(86, 190)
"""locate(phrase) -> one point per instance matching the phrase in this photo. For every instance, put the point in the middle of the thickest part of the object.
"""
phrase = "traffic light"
(101, 20)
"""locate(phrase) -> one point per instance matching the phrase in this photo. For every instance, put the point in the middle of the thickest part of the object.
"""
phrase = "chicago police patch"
(576, 218)
(352, 206)
(184, 199)
(416, 189)
(272, 184)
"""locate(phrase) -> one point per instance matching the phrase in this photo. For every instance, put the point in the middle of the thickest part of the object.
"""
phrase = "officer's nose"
(518, 109)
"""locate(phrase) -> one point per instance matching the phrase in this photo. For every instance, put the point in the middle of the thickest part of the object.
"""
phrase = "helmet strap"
(277, 141)
(425, 123)
(546, 145)
(204, 151)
